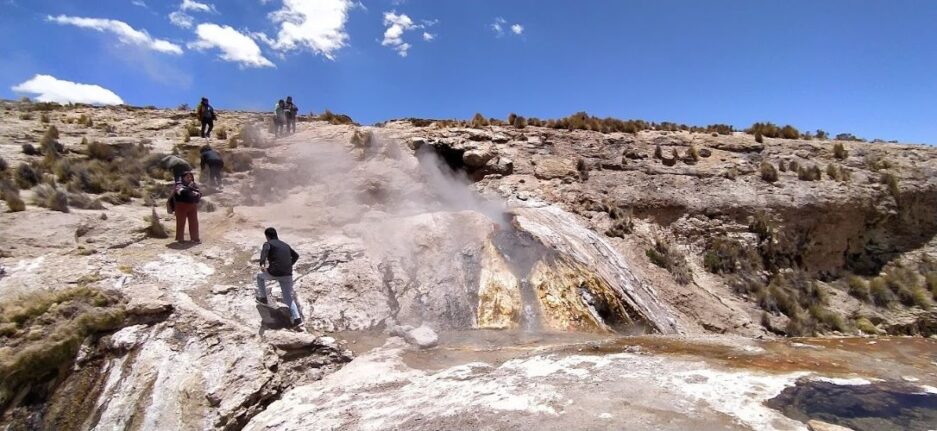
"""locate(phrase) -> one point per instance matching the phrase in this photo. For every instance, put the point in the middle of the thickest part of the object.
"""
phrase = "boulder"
(477, 158)
(423, 337)
(555, 167)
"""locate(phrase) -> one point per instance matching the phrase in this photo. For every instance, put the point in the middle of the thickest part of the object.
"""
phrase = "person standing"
(276, 263)
(291, 112)
(279, 121)
(215, 164)
(186, 196)
(206, 116)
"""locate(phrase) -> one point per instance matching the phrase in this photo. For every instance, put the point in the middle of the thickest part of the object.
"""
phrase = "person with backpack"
(206, 116)
(291, 112)
(185, 198)
(215, 164)
(279, 120)
(276, 263)
(177, 165)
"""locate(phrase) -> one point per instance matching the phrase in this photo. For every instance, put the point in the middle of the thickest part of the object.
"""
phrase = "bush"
(692, 154)
(11, 195)
(478, 121)
(771, 130)
(25, 176)
(768, 172)
(30, 150)
(669, 258)
(822, 135)
(809, 174)
(729, 256)
(511, 117)
(3, 165)
(782, 165)
(44, 118)
(154, 228)
(49, 197)
(833, 172)
(881, 294)
(866, 326)
(44, 331)
(85, 120)
(222, 133)
(759, 138)
(83, 201)
(892, 183)
(336, 119)
(99, 151)
(519, 122)
(859, 289)
(839, 151)
(192, 129)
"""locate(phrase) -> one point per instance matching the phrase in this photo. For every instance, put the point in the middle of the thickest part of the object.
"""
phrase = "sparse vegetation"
(11, 195)
(85, 120)
(99, 151)
(692, 154)
(666, 256)
(49, 197)
(771, 130)
(729, 256)
(42, 332)
(222, 133)
(154, 228)
(25, 176)
(759, 138)
(891, 181)
(811, 173)
(192, 130)
(336, 119)
(479, 121)
(622, 221)
(519, 122)
(44, 118)
(83, 201)
(30, 150)
(839, 151)
(768, 172)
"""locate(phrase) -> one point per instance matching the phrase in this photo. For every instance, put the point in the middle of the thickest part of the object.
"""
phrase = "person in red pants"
(187, 195)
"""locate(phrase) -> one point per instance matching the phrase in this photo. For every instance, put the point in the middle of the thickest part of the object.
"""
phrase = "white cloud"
(139, 3)
(317, 25)
(124, 32)
(51, 89)
(497, 26)
(428, 36)
(500, 24)
(194, 6)
(181, 19)
(393, 36)
(235, 47)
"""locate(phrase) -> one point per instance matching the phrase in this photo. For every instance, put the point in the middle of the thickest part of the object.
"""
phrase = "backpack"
(208, 113)
(171, 204)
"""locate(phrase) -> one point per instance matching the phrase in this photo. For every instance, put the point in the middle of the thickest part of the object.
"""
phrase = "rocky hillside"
(515, 231)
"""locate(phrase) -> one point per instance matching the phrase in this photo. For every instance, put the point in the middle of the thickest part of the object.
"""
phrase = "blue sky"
(866, 67)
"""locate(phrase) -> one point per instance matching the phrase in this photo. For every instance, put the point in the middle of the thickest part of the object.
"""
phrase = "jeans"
(215, 172)
(290, 124)
(286, 285)
(207, 125)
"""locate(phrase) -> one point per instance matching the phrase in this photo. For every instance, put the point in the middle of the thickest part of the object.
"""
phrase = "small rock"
(705, 152)
(221, 289)
(816, 425)
(423, 337)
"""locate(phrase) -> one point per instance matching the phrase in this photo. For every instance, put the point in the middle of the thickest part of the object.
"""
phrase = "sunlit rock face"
(499, 294)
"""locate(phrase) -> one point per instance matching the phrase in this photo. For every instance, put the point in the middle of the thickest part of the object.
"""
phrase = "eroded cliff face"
(529, 231)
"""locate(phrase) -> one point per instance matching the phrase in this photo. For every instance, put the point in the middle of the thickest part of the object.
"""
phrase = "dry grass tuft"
(11, 195)
(25, 176)
(49, 197)
(768, 172)
(42, 332)
(154, 228)
(666, 256)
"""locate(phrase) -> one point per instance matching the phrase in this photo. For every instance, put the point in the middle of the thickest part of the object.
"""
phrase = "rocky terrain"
(458, 277)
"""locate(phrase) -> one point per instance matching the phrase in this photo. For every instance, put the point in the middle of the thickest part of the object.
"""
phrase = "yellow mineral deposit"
(562, 287)
(499, 294)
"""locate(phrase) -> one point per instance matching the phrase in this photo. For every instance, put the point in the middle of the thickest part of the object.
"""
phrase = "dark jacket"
(211, 158)
(177, 165)
(280, 257)
(205, 113)
(189, 194)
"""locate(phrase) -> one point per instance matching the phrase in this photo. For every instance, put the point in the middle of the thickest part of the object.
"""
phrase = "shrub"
(839, 151)
(881, 294)
(183, 107)
(511, 117)
(83, 201)
(692, 154)
(85, 120)
(859, 289)
(336, 119)
(154, 228)
(99, 151)
(833, 172)
(848, 137)
(658, 152)
(3, 165)
(822, 135)
(222, 133)
(866, 326)
(622, 222)
(728, 256)
(44, 118)
(809, 174)
(782, 165)
(478, 121)
(11, 195)
(44, 331)
(26, 116)
(669, 258)
(30, 150)
(192, 129)
(49, 197)
(25, 176)
(768, 172)
(794, 166)
(891, 182)
(519, 122)
(759, 138)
